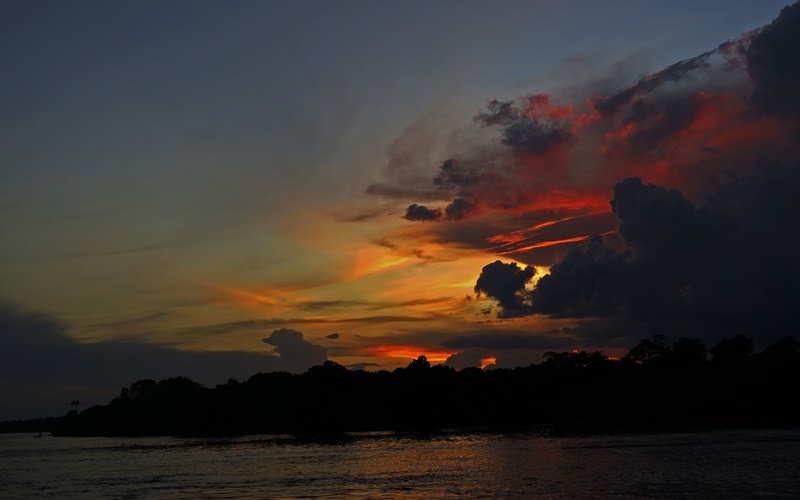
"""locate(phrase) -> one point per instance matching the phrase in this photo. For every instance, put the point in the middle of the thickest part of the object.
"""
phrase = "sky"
(216, 189)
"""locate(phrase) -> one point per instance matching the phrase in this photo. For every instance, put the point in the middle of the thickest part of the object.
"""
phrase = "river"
(729, 464)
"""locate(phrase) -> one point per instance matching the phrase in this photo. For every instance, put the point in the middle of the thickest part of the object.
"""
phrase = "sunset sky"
(179, 180)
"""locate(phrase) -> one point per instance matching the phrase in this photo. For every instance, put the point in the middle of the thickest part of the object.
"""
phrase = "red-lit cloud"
(686, 127)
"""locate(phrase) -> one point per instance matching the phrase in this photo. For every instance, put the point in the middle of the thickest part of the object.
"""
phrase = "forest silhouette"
(656, 386)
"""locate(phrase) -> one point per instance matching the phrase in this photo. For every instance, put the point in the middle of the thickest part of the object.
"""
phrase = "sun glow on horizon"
(435, 356)
(488, 362)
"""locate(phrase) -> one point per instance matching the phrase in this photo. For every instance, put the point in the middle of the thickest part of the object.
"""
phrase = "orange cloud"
(242, 296)
(372, 259)
(434, 355)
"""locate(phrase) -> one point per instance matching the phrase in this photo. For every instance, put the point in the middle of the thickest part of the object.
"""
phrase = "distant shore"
(655, 387)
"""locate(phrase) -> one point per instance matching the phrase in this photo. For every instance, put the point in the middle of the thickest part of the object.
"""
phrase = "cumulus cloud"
(532, 125)
(454, 174)
(296, 353)
(730, 263)
(461, 208)
(772, 64)
(422, 213)
(587, 282)
(686, 127)
(506, 284)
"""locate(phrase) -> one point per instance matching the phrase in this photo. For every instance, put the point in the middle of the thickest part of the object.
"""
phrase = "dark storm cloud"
(654, 120)
(506, 284)
(528, 125)
(587, 282)
(535, 135)
(296, 353)
(773, 62)
(453, 174)
(687, 126)
(674, 73)
(422, 213)
(498, 113)
(689, 253)
(42, 368)
(653, 219)
(461, 208)
(732, 263)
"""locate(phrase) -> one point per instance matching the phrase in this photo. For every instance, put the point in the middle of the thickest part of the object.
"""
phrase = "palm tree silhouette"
(75, 403)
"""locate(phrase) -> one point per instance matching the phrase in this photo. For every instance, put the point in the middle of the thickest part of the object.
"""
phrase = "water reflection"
(398, 465)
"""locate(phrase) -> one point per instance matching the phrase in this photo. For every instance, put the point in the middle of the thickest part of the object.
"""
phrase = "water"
(732, 464)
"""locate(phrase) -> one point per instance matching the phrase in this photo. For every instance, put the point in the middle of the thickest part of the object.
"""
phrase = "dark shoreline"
(656, 388)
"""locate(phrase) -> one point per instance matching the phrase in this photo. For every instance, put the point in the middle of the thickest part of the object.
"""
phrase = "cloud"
(701, 120)
(333, 336)
(466, 359)
(506, 284)
(296, 354)
(422, 213)
(42, 368)
(453, 174)
(772, 65)
(458, 209)
(730, 263)
(648, 84)
(532, 125)
(587, 282)
(461, 207)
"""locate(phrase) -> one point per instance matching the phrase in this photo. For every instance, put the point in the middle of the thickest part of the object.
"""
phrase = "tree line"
(684, 385)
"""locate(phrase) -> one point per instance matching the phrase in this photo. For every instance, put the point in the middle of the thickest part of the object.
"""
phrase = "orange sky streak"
(551, 243)
(520, 235)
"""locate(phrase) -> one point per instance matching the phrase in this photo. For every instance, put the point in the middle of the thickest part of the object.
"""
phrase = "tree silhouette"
(688, 351)
(657, 386)
(732, 351)
(649, 351)
(421, 363)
